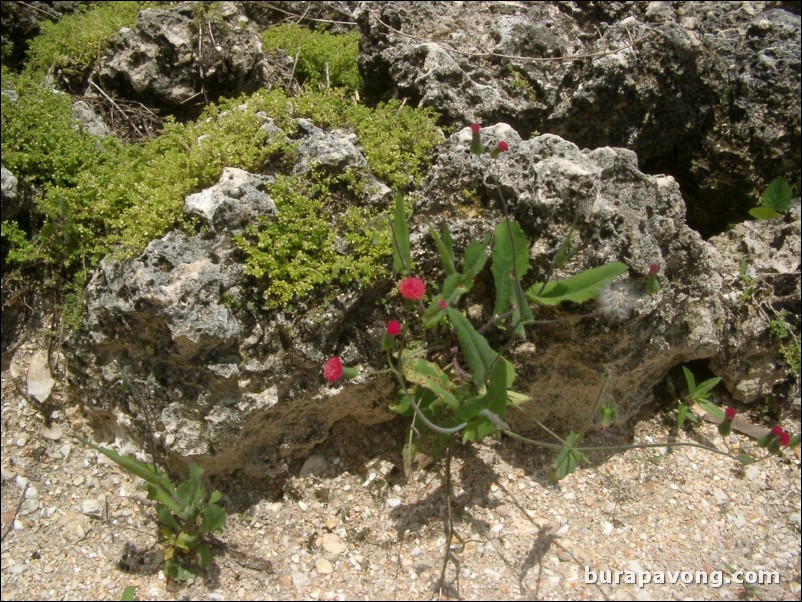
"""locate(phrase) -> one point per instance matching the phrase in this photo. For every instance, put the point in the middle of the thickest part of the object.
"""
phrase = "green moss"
(100, 196)
(310, 242)
(324, 59)
(71, 45)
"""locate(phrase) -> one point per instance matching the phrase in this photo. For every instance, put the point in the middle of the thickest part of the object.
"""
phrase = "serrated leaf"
(475, 349)
(475, 257)
(430, 376)
(579, 288)
(166, 518)
(213, 518)
(510, 263)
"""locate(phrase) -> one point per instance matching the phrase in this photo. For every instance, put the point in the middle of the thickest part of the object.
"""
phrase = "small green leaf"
(475, 257)
(187, 541)
(204, 555)
(702, 390)
(213, 518)
(568, 458)
(579, 288)
(215, 497)
(746, 459)
(764, 213)
(778, 195)
(129, 593)
(689, 379)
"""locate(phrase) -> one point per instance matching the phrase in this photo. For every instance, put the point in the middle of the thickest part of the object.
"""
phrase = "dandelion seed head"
(617, 301)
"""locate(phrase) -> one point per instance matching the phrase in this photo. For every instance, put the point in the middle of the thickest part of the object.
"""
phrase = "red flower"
(412, 288)
(729, 413)
(654, 268)
(503, 146)
(475, 127)
(785, 438)
(443, 304)
(394, 328)
(333, 369)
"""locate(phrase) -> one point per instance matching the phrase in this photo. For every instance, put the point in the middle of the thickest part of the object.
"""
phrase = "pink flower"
(654, 268)
(443, 304)
(412, 288)
(333, 369)
(729, 413)
(394, 328)
(475, 127)
(503, 146)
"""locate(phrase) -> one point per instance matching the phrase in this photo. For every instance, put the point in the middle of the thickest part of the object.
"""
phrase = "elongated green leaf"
(159, 482)
(702, 390)
(129, 593)
(402, 260)
(579, 288)
(711, 408)
(475, 349)
(445, 247)
(682, 414)
(168, 497)
(510, 262)
(689, 379)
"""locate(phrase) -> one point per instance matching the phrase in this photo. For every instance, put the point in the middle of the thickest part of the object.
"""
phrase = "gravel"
(75, 527)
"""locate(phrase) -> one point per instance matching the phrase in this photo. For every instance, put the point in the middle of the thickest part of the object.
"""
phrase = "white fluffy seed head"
(617, 301)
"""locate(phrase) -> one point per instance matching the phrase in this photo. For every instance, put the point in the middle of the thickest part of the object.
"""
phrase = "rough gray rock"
(241, 389)
(164, 61)
(234, 202)
(706, 92)
(9, 195)
(618, 214)
(87, 120)
(760, 266)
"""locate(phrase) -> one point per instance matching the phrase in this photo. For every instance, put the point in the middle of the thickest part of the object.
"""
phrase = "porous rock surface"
(655, 116)
(707, 92)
